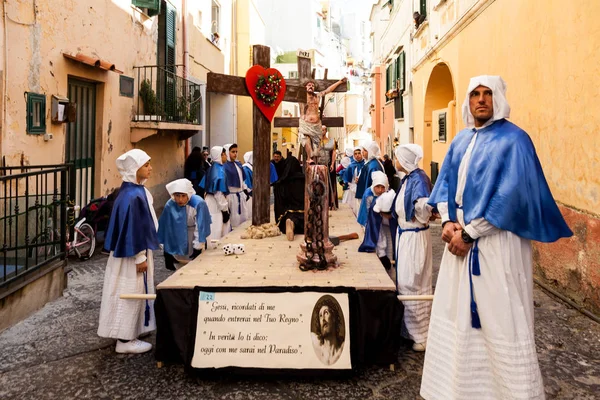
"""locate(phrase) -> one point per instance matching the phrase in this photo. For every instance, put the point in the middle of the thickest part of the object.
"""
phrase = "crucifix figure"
(316, 251)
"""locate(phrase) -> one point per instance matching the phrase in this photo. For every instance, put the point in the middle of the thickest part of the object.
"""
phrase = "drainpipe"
(185, 57)
(5, 83)
(234, 67)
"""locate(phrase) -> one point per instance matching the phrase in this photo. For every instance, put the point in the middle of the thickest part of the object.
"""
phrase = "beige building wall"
(250, 31)
(111, 30)
(547, 55)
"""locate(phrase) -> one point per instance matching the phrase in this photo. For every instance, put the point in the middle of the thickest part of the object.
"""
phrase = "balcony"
(166, 102)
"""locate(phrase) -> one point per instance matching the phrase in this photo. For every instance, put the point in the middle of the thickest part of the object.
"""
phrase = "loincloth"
(310, 131)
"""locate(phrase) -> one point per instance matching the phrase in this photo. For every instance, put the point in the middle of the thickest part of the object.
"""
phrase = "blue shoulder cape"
(348, 175)
(363, 211)
(505, 184)
(233, 178)
(248, 176)
(418, 185)
(372, 224)
(173, 229)
(215, 180)
(131, 229)
(365, 180)
(273, 174)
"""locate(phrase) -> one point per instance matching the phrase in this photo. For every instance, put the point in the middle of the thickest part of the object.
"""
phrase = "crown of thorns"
(307, 81)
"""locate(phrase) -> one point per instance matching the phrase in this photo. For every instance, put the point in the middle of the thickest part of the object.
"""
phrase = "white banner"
(307, 330)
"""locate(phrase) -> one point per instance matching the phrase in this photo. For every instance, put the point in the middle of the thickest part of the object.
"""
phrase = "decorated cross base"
(317, 250)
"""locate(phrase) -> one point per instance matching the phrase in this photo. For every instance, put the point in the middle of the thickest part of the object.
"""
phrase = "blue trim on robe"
(349, 172)
(233, 178)
(363, 213)
(248, 176)
(131, 229)
(173, 229)
(372, 227)
(215, 180)
(365, 180)
(505, 184)
(418, 185)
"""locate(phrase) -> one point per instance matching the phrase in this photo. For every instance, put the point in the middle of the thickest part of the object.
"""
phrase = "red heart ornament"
(267, 95)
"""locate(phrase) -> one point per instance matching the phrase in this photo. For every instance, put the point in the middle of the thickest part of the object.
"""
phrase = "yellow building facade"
(546, 53)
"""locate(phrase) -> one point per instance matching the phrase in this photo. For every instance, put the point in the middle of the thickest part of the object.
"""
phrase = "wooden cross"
(261, 132)
(304, 72)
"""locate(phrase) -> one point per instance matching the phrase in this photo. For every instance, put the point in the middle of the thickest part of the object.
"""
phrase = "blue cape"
(173, 229)
(348, 175)
(505, 184)
(233, 178)
(131, 229)
(363, 212)
(365, 180)
(418, 185)
(215, 180)
(248, 176)
(372, 224)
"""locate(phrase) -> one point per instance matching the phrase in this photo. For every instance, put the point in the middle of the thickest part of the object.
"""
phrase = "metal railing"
(33, 215)
(163, 95)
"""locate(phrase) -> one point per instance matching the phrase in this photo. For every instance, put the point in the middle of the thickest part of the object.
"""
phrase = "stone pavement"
(56, 354)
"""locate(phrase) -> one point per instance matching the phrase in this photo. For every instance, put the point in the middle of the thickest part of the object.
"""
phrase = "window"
(293, 75)
(125, 86)
(150, 7)
(36, 113)
(423, 8)
(399, 107)
(215, 17)
(401, 71)
(442, 127)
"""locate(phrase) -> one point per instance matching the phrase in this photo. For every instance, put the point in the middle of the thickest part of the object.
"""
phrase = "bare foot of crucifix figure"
(310, 121)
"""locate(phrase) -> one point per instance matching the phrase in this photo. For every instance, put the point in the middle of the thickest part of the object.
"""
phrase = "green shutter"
(423, 7)
(402, 71)
(393, 75)
(387, 79)
(149, 4)
(36, 113)
(171, 60)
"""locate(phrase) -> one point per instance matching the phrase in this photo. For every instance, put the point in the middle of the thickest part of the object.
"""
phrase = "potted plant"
(149, 100)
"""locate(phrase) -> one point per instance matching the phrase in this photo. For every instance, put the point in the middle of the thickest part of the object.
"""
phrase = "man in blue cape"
(236, 184)
(350, 177)
(494, 200)
(372, 164)
(184, 224)
(214, 184)
(130, 238)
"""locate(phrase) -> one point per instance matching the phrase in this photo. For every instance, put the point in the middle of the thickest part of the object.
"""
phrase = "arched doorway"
(439, 114)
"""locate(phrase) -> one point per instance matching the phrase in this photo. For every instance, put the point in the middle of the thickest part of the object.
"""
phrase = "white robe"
(124, 319)
(237, 201)
(217, 203)
(414, 267)
(498, 361)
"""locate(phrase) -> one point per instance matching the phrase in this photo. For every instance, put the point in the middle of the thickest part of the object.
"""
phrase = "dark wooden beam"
(261, 136)
(293, 122)
(236, 85)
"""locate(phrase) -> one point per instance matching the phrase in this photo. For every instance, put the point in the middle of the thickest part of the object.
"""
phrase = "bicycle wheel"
(42, 247)
(84, 241)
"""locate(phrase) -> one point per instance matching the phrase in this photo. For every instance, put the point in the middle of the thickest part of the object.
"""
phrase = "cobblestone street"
(56, 354)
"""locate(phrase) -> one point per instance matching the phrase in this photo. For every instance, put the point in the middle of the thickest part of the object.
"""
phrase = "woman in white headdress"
(413, 242)
(130, 238)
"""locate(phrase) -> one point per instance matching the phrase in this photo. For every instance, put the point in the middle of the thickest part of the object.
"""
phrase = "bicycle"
(47, 243)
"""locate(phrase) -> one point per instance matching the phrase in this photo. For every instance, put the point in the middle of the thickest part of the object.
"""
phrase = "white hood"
(379, 178)
(373, 149)
(181, 186)
(215, 154)
(498, 87)
(226, 147)
(248, 159)
(130, 162)
(409, 156)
